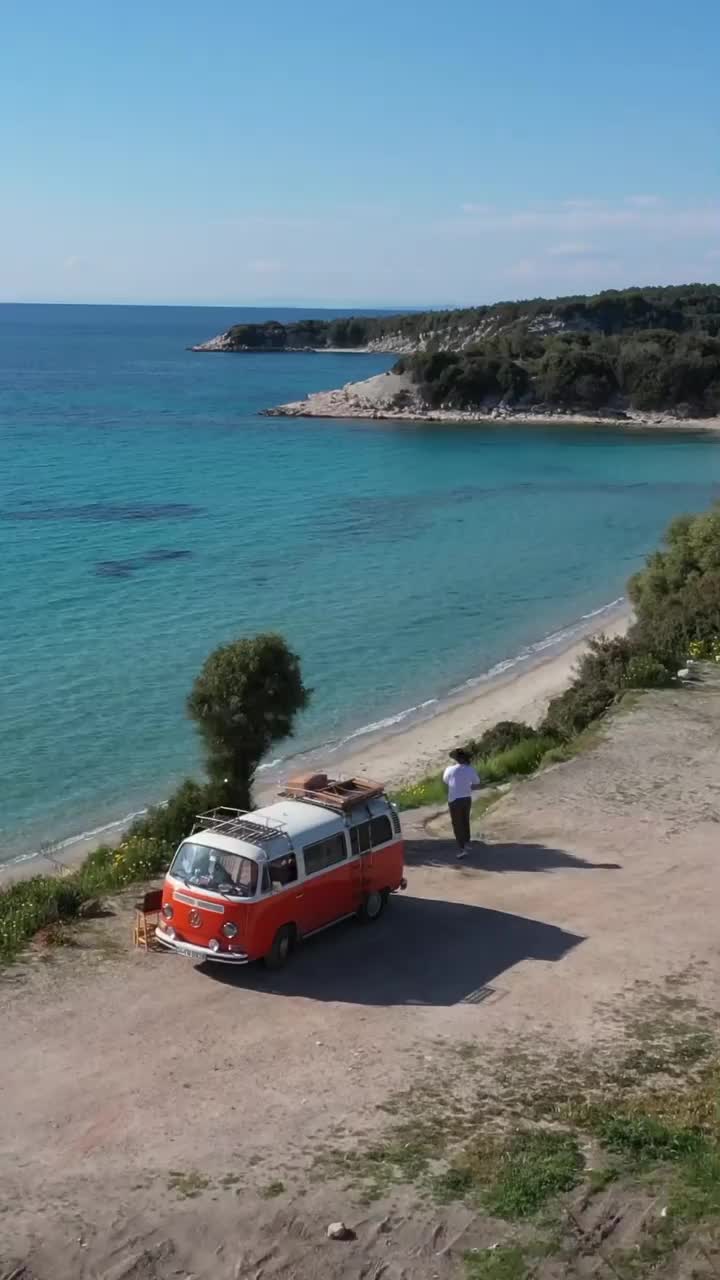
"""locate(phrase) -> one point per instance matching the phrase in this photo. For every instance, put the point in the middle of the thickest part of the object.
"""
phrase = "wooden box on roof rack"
(336, 793)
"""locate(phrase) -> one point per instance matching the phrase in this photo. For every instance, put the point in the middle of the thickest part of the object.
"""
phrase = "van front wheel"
(279, 953)
(373, 906)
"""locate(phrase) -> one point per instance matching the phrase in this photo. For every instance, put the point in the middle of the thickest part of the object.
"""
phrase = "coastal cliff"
(614, 355)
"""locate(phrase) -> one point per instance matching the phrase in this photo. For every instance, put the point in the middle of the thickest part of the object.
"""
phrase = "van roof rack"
(332, 793)
(241, 825)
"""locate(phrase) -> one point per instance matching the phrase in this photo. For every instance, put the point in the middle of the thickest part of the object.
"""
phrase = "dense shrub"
(576, 708)
(644, 671)
(504, 734)
(168, 823)
(677, 595)
(705, 650)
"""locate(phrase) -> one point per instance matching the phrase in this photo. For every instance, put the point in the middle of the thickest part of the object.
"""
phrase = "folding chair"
(147, 915)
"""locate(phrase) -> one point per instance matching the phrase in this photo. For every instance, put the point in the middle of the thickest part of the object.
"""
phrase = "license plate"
(185, 951)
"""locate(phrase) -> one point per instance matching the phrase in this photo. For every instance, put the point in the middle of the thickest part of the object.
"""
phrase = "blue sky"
(396, 153)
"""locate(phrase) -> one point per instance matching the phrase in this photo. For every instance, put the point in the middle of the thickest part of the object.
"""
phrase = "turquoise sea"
(148, 513)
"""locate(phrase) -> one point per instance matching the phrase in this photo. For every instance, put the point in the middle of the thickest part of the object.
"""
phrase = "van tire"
(373, 906)
(279, 953)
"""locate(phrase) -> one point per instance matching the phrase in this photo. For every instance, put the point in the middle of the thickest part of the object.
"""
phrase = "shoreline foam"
(406, 745)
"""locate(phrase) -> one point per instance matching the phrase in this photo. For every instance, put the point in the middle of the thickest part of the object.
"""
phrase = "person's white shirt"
(460, 780)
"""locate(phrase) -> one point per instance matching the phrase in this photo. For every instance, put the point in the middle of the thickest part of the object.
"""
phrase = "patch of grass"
(517, 761)
(513, 1177)
(600, 1179)
(187, 1183)
(695, 1194)
(557, 755)
(426, 791)
(408, 1149)
(641, 1139)
(32, 905)
(506, 1262)
(484, 801)
(271, 1190)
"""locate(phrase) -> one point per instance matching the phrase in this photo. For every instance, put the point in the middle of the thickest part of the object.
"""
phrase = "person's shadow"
(498, 857)
(422, 951)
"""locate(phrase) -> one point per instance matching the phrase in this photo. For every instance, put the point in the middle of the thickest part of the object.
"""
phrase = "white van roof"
(265, 833)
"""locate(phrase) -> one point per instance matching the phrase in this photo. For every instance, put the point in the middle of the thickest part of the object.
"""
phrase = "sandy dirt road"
(161, 1121)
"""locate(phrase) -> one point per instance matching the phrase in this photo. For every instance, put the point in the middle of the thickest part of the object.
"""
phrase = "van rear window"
(368, 834)
(381, 830)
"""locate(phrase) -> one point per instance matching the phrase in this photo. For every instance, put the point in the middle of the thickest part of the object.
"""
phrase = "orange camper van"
(249, 886)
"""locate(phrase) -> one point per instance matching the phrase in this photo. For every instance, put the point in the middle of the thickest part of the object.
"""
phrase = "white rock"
(338, 1231)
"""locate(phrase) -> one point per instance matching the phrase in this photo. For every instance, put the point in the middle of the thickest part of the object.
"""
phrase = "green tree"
(245, 698)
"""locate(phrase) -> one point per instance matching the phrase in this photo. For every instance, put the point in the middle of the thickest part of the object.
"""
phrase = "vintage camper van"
(250, 886)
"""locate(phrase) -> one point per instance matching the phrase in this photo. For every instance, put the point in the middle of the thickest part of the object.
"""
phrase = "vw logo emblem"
(195, 919)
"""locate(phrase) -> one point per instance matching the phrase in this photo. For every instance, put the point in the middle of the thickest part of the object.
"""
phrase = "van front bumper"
(191, 949)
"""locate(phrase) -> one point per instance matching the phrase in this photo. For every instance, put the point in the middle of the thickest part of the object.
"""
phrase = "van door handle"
(299, 895)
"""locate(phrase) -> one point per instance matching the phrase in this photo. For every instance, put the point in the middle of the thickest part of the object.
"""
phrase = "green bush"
(576, 708)
(643, 671)
(705, 650)
(504, 734)
(677, 595)
(168, 823)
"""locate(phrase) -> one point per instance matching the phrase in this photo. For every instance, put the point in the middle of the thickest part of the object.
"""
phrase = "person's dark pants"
(460, 818)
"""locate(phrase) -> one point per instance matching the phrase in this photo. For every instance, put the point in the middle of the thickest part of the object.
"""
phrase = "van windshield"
(207, 868)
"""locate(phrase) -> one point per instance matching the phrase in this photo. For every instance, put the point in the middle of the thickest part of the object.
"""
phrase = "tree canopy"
(245, 698)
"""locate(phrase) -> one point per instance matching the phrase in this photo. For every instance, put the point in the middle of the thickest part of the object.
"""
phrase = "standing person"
(461, 780)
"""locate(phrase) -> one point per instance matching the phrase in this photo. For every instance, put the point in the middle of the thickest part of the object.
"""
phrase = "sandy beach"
(409, 750)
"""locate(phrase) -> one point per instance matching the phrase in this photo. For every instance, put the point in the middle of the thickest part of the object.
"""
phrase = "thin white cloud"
(644, 202)
(587, 216)
(570, 249)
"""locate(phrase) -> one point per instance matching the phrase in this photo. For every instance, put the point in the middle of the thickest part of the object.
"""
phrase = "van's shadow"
(422, 951)
(498, 857)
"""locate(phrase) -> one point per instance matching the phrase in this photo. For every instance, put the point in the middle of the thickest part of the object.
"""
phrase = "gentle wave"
(554, 640)
(55, 847)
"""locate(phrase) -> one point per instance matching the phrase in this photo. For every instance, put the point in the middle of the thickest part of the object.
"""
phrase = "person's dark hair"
(460, 756)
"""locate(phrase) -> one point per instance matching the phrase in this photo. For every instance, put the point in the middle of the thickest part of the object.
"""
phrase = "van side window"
(381, 830)
(360, 838)
(283, 870)
(265, 886)
(326, 853)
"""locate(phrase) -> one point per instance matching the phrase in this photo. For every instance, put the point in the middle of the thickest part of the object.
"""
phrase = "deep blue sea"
(147, 513)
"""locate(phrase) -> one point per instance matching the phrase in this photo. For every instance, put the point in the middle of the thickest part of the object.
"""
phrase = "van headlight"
(229, 929)
(167, 911)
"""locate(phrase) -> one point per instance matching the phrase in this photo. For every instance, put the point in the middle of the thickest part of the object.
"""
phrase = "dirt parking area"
(160, 1120)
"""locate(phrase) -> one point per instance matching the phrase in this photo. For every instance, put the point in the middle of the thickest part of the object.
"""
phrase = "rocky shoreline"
(394, 397)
